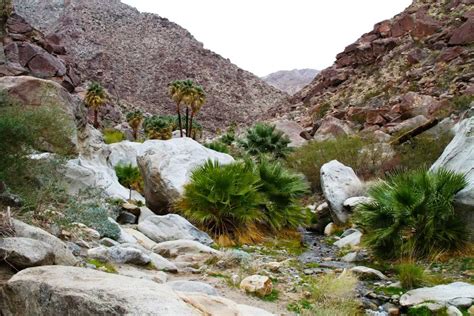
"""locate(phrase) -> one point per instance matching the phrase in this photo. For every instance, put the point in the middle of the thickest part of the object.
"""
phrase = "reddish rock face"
(403, 25)
(451, 53)
(464, 34)
(16, 24)
(425, 26)
(45, 65)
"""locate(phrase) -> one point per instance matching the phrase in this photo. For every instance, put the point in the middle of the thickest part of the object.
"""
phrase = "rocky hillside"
(418, 63)
(135, 55)
(291, 81)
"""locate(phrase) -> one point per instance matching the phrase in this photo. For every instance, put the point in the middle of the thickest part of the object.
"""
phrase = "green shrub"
(94, 216)
(359, 153)
(218, 146)
(422, 151)
(410, 275)
(111, 136)
(130, 177)
(462, 102)
(282, 189)
(265, 139)
(412, 214)
(224, 200)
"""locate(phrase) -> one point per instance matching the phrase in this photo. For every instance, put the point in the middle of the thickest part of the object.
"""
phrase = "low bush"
(157, 127)
(224, 200)
(240, 202)
(361, 154)
(412, 214)
(282, 189)
(112, 135)
(462, 102)
(410, 275)
(266, 139)
(93, 215)
(421, 151)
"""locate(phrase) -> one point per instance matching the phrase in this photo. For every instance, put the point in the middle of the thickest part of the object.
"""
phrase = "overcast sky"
(265, 36)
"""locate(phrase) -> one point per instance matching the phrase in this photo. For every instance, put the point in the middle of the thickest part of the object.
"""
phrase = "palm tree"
(129, 176)
(198, 100)
(176, 92)
(95, 98)
(188, 95)
(134, 119)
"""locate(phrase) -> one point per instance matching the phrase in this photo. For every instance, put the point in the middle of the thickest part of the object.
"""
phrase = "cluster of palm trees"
(192, 96)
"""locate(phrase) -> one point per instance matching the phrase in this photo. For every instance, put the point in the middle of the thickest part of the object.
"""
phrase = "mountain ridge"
(291, 81)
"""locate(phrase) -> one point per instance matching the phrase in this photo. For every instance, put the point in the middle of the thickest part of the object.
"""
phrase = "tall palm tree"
(134, 119)
(95, 98)
(176, 92)
(198, 100)
(188, 95)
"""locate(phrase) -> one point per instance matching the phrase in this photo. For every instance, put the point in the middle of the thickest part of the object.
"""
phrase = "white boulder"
(441, 294)
(339, 183)
(25, 252)
(260, 285)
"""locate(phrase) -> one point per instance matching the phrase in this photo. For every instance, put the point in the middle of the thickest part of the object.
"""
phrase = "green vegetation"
(359, 153)
(218, 146)
(263, 138)
(157, 127)
(93, 214)
(412, 214)
(95, 98)
(111, 136)
(272, 297)
(282, 189)
(462, 102)
(421, 151)
(135, 119)
(320, 111)
(238, 202)
(411, 275)
(130, 177)
(224, 200)
(103, 266)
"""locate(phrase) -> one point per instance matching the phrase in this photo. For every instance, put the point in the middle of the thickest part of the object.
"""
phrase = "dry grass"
(6, 225)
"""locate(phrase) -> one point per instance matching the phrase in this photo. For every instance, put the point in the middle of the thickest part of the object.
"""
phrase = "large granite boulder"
(25, 252)
(441, 294)
(172, 227)
(79, 291)
(459, 156)
(167, 167)
(338, 183)
(119, 254)
(62, 254)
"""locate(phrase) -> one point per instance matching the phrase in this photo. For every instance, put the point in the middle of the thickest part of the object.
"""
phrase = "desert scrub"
(103, 266)
(263, 138)
(333, 294)
(412, 214)
(462, 102)
(422, 150)
(357, 152)
(411, 275)
(157, 127)
(112, 135)
(92, 214)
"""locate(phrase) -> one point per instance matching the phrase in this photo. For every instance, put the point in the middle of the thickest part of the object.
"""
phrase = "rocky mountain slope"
(418, 63)
(291, 81)
(135, 55)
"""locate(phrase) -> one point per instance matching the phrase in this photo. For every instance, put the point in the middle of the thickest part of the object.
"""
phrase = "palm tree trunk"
(191, 125)
(187, 115)
(96, 118)
(179, 120)
(135, 133)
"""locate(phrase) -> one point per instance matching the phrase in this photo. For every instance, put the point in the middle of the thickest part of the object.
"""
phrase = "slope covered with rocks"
(136, 55)
(291, 81)
(418, 63)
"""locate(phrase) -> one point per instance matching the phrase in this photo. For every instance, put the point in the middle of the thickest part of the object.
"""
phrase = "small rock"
(258, 284)
(126, 218)
(273, 266)
(25, 252)
(108, 242)
(471, 310)
(350, 257)
(368, 273)
(330, 229)
(351, 240)
(119, 254)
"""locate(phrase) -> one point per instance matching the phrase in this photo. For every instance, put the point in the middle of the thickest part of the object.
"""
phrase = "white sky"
(265, 36)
